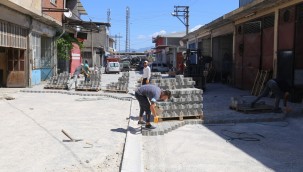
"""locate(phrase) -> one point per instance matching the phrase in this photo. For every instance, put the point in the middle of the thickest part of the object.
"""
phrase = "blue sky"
(149, 18)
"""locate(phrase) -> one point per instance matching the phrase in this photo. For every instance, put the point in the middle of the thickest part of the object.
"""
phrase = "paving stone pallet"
(180, 118)
(120, 86)
(174, 83)
(116, 91)
(185, 101)
(58, 82)
(258, 108)
(93, 85)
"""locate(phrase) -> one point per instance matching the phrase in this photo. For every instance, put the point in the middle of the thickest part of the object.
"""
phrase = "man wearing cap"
(146, 73)
(148, 95)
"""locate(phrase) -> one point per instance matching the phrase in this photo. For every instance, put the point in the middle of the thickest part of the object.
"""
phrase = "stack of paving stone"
(58, 82)
(93, 85)
(153, 76)
(121, 85)
(186, 101)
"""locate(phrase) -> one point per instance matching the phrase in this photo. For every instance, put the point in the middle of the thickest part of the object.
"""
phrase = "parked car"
(158, 67)
(125, 66)
(112, 67)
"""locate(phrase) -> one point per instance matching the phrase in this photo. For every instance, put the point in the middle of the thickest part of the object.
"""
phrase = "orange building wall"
(55, 15)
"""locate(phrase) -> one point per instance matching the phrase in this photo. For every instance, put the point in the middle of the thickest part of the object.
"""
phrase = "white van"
(112, 67)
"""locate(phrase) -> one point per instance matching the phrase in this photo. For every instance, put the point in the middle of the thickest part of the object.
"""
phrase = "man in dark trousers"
(147, 95)
(280, 89)
(146, 73)
(75, 76)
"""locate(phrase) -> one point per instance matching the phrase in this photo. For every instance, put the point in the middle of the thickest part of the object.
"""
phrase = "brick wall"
(55, 15)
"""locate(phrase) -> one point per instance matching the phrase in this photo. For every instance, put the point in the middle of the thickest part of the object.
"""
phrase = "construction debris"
(71, 139)
(241, 105)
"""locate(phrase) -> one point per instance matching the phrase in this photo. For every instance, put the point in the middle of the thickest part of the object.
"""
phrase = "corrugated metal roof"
(174, 35)
(237, 14)
(81, 9)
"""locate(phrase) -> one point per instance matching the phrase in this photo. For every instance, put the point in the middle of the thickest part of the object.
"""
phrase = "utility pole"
(107, 35)
(92, 47)
(184, 10)
(127, 30)
(116, 37)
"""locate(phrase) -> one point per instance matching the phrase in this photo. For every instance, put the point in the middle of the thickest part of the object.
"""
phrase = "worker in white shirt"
(146, 73)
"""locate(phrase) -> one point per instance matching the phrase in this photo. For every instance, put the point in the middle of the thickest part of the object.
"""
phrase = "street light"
(185, 14)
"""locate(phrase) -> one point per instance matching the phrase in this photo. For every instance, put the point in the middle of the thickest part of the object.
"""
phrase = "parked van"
(112, 67)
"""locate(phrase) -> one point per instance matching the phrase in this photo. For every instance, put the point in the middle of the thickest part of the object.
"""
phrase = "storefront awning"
(86, 26)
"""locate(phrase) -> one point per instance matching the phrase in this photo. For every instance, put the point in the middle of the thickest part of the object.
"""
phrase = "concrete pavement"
(107, 122)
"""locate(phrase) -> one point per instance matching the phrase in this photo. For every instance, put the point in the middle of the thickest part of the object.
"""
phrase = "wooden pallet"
(116, 91)
(58, 88)
(88, 89)
(262, 77)
(259, 108)
(180, 118)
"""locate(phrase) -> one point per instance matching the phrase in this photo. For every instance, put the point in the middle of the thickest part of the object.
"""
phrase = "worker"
(181, 68)
(146, 73)
(148, 95)
(75, 76)
(86, 71)
(280, 89)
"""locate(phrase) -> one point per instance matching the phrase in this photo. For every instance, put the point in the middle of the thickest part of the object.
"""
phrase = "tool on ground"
(71, 139)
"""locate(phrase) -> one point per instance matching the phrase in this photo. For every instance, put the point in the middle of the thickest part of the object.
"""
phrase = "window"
(54, 2)
(46, 52)
(36, 50)
(113, 65)
(15, 59)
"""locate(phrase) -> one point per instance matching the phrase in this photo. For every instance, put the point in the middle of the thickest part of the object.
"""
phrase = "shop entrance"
(16, 68)
(3, 67)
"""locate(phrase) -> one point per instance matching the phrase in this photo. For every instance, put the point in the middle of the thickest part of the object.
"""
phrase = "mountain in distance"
(144, 49)
(140, 50)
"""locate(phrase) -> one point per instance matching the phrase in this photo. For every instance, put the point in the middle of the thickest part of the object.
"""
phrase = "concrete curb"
(168, 126)
(79, 94)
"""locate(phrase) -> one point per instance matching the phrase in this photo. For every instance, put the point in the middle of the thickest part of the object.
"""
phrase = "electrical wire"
(243, 136)
(281, 124)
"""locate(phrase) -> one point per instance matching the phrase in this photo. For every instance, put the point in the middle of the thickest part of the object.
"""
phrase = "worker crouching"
(148, 95)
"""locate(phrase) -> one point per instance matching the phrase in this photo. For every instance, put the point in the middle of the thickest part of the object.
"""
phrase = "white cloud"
(141, 37)
(195, 28)
(160, 33)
